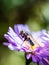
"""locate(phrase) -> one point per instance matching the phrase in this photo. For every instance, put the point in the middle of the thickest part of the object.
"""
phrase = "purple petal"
(14, 36)
(5, 43)
(35, 58)
(20, 27)
(28, 56)
(44, 62)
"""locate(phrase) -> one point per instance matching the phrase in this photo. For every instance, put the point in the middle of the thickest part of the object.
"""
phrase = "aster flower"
(14, 38)
(34, 44)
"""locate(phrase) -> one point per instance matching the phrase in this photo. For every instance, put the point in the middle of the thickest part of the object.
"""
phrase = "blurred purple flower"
(34, 44)
(14, 38)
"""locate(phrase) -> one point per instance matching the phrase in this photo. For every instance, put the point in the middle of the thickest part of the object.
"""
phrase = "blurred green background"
(34, 13)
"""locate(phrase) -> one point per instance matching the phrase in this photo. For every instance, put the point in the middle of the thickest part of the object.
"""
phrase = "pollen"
(35, 46)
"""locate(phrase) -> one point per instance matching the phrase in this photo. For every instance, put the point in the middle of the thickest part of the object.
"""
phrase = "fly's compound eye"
(24, 35)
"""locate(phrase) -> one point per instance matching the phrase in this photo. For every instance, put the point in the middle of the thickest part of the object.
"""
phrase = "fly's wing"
(37, 37)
